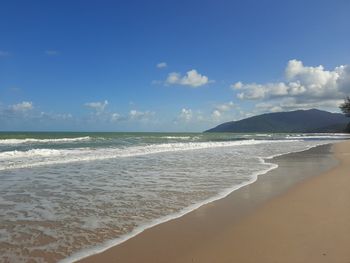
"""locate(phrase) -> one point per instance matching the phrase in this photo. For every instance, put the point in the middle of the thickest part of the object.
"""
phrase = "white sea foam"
(30, 153)
(263, 135)
(38, 157)
(176, 137)
(33, 140)
(327, 136)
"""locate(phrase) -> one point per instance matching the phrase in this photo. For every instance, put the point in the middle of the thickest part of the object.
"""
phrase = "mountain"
(303, 121)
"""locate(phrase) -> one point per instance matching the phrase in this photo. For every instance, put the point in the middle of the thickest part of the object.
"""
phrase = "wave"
(258, 135)
(33, 140)
(39, 157)
(319, 136)
(176, 137)
(34, 152)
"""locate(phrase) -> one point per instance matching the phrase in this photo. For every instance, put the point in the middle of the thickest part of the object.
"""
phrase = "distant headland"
(304, 121)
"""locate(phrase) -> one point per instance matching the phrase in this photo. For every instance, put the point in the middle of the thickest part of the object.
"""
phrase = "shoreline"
(110, 254)
(90, 252)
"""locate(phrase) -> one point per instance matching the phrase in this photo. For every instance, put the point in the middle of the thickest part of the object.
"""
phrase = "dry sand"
(288, 215)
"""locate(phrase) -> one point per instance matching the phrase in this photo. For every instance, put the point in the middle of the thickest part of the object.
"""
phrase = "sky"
(176, 66)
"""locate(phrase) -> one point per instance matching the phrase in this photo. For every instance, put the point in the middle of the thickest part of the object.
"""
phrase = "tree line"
(345, 108)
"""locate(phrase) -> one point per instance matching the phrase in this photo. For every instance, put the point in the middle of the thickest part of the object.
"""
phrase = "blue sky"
(168, 65)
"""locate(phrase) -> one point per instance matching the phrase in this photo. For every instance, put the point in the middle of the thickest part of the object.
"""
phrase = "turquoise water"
(66, 195)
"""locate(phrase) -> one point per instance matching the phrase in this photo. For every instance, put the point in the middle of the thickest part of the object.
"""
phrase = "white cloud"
(224, 111)
(141, 115)
(289, 104)
(300, 82)
(225, 106)
(268, 107)
(197, 118)
(22, 107)
(4, 53)
(185, 115)
(25, 116)
(188, 115)
(101, 114)
(115, 117)
(162, 65)
(237, 85)
(192, 79)
(97, 106)
(255, 91)
(221, 111)
(216, 115)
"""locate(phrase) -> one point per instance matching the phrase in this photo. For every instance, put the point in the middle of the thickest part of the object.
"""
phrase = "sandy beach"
(295, 213)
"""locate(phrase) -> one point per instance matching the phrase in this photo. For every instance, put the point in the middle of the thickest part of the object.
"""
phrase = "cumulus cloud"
(288, 104)
(303, 86)
(16, 113)
(216, 115)
(98, 106)
(102, 115)
(222, 112)
(162, 65)
(191, 79)
(311, 82)
(185, 115)
(255, 91)
(115, 117)
(141, 115)
(22, 107)
(220, 109)
(25, 116)
(225, 106)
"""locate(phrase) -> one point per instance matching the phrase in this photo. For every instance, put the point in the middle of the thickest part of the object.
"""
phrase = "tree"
(345, 106)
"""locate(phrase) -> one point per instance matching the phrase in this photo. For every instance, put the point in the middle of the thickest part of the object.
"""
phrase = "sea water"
(64, 196)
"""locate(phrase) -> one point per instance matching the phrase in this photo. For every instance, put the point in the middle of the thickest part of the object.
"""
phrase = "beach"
(295, 213)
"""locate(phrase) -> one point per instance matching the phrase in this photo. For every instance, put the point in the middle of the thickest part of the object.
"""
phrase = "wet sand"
(298, 212)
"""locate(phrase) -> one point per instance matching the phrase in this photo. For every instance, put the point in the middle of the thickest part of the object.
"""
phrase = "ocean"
(64, 196)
